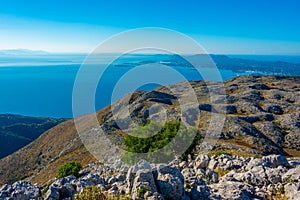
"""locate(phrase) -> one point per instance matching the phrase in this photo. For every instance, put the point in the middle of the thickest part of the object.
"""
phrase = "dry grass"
(221, 172)
(292, 152)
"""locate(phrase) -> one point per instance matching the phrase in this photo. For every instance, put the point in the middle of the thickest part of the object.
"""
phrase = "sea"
(43, 85)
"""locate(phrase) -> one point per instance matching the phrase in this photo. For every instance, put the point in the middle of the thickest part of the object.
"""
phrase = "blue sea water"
(45, 89)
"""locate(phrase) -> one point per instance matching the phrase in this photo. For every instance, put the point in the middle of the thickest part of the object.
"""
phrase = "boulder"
(52, 193)
(292, 191)
(274, 161)
(233, 190)
(62, 188)
(142, 183)
(170, 182)
(291, 175)
(275, 174)
(199, 193)
(202, 161)
(131, 174)
(213, 164)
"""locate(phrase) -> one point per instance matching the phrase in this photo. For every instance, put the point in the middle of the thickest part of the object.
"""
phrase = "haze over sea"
(42, 85)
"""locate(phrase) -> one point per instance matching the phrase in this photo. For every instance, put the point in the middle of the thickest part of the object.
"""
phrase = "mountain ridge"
(262, 118)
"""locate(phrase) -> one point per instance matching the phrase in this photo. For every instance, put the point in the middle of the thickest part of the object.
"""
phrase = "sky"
(220, 26)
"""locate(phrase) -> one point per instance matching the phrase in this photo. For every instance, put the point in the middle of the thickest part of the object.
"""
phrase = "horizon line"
(45, 52)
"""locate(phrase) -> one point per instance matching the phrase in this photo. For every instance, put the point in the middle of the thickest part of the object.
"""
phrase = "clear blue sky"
(221, 26)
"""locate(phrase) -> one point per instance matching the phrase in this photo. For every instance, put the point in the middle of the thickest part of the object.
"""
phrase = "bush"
(153, 137)
(70, 168)
(141, 192)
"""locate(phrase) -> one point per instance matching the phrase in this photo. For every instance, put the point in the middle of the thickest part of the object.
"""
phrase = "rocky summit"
(205, 177)
(254, 155)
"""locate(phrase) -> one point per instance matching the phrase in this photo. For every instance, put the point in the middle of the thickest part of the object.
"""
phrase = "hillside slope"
(262, 118)
(17, 131)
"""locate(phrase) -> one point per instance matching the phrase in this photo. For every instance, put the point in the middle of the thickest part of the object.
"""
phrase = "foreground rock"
(20, 190)
(216, 177)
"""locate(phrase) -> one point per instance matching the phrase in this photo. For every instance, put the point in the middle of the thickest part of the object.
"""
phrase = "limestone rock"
(170, 182)
(292, 191)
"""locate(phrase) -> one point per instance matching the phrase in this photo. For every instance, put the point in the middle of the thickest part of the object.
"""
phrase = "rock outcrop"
(215, 177)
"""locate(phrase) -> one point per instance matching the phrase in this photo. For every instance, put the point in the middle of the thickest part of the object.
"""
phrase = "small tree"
(70, 168)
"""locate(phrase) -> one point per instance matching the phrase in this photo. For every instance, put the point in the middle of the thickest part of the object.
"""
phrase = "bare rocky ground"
(216, 177)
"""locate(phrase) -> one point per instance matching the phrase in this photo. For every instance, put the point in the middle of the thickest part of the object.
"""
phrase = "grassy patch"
(90, 193)
(218, 153)
(278, 195)
(221, 172)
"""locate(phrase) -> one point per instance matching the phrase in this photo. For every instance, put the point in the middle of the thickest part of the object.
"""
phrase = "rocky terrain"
(216, 177)
(261, 118)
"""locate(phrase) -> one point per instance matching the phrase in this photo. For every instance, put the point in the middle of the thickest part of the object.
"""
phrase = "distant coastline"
(42, 85)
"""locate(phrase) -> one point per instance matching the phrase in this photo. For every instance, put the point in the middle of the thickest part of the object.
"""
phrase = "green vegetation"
(141, 192)
(70, 168)
(90, 193)
(187, 186)
(119, 197)
(291, 180)
(218, 153)
(277, 194)
(154, 137)
(94, 193)
(46, 186)
(221, 172)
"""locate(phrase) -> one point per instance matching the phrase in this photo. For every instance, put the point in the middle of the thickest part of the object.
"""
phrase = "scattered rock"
(20, 190)
(259, 86)
(205, 177)
(275, 109)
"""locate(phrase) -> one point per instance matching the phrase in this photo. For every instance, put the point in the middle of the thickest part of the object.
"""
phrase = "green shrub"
(221, 172)
(141, 192)
(70, 168)
(153, 137)
(90, 193)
